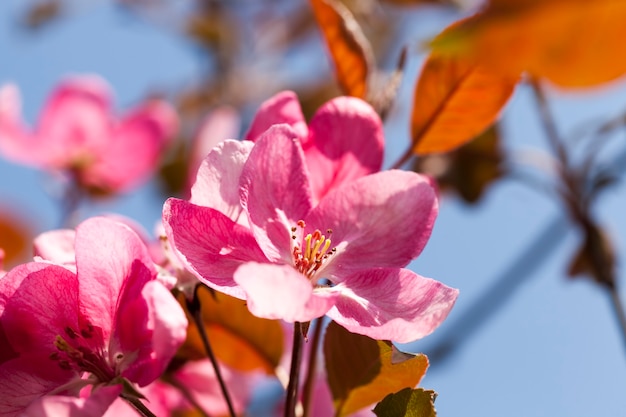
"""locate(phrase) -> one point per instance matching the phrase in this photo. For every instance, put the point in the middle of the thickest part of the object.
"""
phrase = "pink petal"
(62, 406)
(75, 124)
(217, 182)
(346, 142)
(27, 378)
(134, 149)
(56, 246)
(161, 399)
(210, 244)
(38, 301)
(280, 292)
(275, 190)
(198, 377)
(392, 304)
(281, 108)
(151, 328)
(220, 124)
(16, 141)
(110, 259)
(381, 220)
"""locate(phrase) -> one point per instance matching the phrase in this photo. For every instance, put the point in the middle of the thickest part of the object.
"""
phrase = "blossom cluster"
(296, 219)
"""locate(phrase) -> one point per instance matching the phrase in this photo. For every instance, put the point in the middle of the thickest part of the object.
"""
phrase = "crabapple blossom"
(103, 321)
(300, 258)
(78, 135)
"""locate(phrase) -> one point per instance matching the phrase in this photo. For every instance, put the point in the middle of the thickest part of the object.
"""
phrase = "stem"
(138, 405)
(294, 372)
(196, 312)
(70, 204)
(312, 367)
(548, 121)
(619, 310)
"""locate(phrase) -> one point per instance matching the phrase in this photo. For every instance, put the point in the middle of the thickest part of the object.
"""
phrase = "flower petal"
(281, 108)
(75, 122)
(16, 141)
(152, 328)
(198, 377)
(221, 124)
(111, 260)
(346, 142)
(275, 190)
(210, 244)
(134, 148)
(63, 406)
(280, 292)
(381, 220)
(27, 378)
(56, 246)
(392, 304)
(38, 301)
(217, 182)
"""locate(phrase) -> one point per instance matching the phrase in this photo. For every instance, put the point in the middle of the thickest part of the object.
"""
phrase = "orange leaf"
(15, 238)
(455, 101)
(350, 50)
(362, 371)
(239, 339)
(573, 43)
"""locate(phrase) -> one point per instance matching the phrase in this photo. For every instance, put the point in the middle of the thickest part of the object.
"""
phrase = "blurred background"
(523, 340)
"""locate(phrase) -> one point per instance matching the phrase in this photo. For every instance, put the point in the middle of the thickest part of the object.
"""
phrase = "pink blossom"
(299, 258)
(220, 124)
(107, 322)
(77, 134)
(344, 140)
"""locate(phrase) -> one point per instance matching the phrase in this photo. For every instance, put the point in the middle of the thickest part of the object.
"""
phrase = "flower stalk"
(294, 372)
(196, 312)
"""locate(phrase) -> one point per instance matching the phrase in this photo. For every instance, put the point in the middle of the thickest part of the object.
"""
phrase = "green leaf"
(361, 371)
(408, 403)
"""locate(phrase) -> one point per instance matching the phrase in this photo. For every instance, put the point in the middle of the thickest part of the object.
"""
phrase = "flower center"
(77, 354)
(310, 254)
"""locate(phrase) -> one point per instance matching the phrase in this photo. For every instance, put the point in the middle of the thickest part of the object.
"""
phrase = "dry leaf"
(350, 50)
(573, 43)
(454, 102)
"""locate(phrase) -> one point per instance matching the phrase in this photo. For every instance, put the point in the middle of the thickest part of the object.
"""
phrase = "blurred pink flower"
(108, 322)
(220, 124)
(200, 385)
(77, 134)
(300, 254)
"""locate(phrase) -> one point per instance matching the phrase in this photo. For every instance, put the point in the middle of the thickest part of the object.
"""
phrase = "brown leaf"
(455, 101)
(351, 52)
(573, 43)
(362, 371)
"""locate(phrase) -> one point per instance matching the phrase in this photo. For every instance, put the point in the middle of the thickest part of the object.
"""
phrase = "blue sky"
(553, 349)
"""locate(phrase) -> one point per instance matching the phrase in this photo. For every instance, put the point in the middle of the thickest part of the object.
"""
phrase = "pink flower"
(108, 322)
(296, 257)
(77, 134)
(220, 124)
(344, 140)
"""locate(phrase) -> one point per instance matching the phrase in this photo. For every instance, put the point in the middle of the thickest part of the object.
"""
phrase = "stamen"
(314, 249)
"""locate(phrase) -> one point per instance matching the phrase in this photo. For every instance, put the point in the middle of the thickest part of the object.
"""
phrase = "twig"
(619, 311)
(294, 372)
(196, 312)
(312, 367)
(138, 405)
